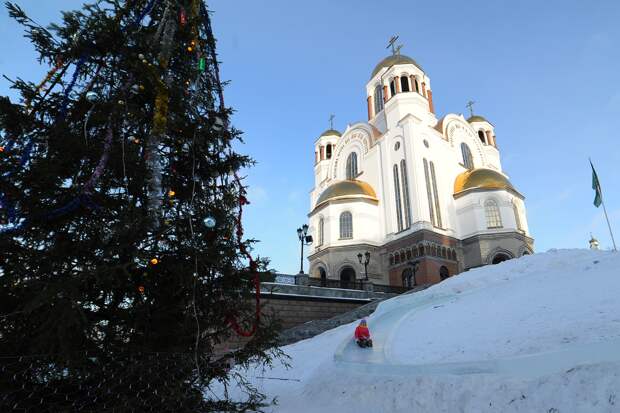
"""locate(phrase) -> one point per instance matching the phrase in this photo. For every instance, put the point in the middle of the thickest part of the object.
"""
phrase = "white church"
(426, 197)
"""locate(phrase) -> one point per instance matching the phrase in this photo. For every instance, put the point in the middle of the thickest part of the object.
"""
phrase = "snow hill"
(535, 334)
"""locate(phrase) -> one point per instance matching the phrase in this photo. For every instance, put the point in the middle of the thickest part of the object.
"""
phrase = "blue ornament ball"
(92, 97)
(209, 222)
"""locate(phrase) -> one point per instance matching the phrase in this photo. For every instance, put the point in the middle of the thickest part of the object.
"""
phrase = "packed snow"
(536, 334)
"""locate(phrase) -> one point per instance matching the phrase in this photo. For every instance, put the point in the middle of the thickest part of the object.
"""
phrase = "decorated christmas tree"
(123, 266)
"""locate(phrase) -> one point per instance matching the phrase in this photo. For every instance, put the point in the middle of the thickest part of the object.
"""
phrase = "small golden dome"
(477, 118)
(349, 189)
(330, 132)
(481, 178)
(395, 59)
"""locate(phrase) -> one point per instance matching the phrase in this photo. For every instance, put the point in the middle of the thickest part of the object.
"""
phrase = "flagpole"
(596, 185)
(608, 224)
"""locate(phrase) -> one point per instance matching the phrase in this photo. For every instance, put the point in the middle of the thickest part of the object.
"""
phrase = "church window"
(416, 85)
(404, 83)
(378, 99)
(421, 250)
(346, 225)
(406, 201)
(328, 151)
(481, 136)
(408, 254)
(321, 231)
(392, 88)
(429, 192)
(437, 209)
(352, 166)
(468, 160)
(491, 211)
(399, 211)
(515, 208)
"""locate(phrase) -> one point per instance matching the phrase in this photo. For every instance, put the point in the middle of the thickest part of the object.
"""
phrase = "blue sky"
(544, 73)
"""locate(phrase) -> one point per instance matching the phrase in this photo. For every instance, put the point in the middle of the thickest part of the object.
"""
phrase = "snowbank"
(540, 333)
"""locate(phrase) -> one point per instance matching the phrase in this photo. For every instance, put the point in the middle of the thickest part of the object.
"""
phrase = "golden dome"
(350, 189)
(395, 59)
(481, 178)
(477, 118)
(330, 132)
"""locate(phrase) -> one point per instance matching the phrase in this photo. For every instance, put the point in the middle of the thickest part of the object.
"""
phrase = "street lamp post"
(366, 260)
(305, 239)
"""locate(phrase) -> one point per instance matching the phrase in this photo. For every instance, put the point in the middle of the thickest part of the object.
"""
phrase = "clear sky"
(545, 73)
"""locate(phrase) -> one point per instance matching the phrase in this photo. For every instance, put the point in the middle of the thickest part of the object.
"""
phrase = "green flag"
(598, 197)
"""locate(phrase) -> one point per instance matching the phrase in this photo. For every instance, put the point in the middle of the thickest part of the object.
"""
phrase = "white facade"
(438, 188)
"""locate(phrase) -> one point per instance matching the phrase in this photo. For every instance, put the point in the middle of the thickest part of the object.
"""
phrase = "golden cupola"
(481, 178)
(347, 189)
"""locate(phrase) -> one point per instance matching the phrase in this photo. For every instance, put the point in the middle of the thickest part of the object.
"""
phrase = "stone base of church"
(438, 257)
(485, 249)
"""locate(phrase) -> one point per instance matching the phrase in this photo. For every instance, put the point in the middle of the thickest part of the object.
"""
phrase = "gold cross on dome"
(470, 106)
(331, 121)
(391, 44)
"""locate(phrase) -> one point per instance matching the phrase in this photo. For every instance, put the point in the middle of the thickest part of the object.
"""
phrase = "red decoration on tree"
(182, 17)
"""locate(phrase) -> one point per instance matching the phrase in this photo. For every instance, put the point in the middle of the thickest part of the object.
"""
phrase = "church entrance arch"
(347, 277)
(500, 257)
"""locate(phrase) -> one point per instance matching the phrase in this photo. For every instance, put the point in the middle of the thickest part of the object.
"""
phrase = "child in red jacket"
(362, 335)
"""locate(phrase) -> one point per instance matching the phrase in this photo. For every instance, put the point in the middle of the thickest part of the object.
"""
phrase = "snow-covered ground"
(535, 334)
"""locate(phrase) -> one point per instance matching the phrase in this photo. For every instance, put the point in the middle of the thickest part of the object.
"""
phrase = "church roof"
(395, 59)
(481, 178)
(330, 132)
(477, 118)
(349, 189)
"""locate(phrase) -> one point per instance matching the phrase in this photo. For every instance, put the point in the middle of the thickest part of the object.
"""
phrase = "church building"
(426, 197)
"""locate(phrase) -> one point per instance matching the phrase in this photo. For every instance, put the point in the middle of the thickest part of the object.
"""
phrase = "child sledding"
(362, 335)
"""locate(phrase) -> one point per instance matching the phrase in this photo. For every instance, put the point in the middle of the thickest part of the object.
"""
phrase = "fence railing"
(291, 279)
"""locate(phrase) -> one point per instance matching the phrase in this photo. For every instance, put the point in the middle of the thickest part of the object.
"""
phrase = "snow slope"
(535, 334)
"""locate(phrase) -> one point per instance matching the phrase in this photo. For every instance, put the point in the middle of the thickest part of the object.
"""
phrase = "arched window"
(328, 151)
(378, 99)
(468, 160)
(416, 85)
(436, 196)
(515, 209)
(392, 88)
(408, 254)
(429, 192)
(346, 225)
(406, 200)
(399, 211)
(404, 84)
(352, 166)
(491, 211)
(444, 272)
(421, 250)
(481, 136)
(321, 231)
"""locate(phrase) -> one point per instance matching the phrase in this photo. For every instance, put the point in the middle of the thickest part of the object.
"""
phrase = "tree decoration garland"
(253, 265)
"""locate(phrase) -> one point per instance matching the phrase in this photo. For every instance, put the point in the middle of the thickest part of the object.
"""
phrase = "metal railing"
(291, 279)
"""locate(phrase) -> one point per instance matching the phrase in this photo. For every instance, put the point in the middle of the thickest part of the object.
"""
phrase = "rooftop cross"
(391, 44)
(331, 121)
(470, 106)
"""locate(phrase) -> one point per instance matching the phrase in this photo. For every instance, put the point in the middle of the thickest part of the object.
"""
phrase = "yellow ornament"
(190, 48)
(154, 261)
(171, 193)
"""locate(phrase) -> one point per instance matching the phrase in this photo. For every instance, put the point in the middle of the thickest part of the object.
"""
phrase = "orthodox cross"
(331, 121)
(391, 44)
(470, 106)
